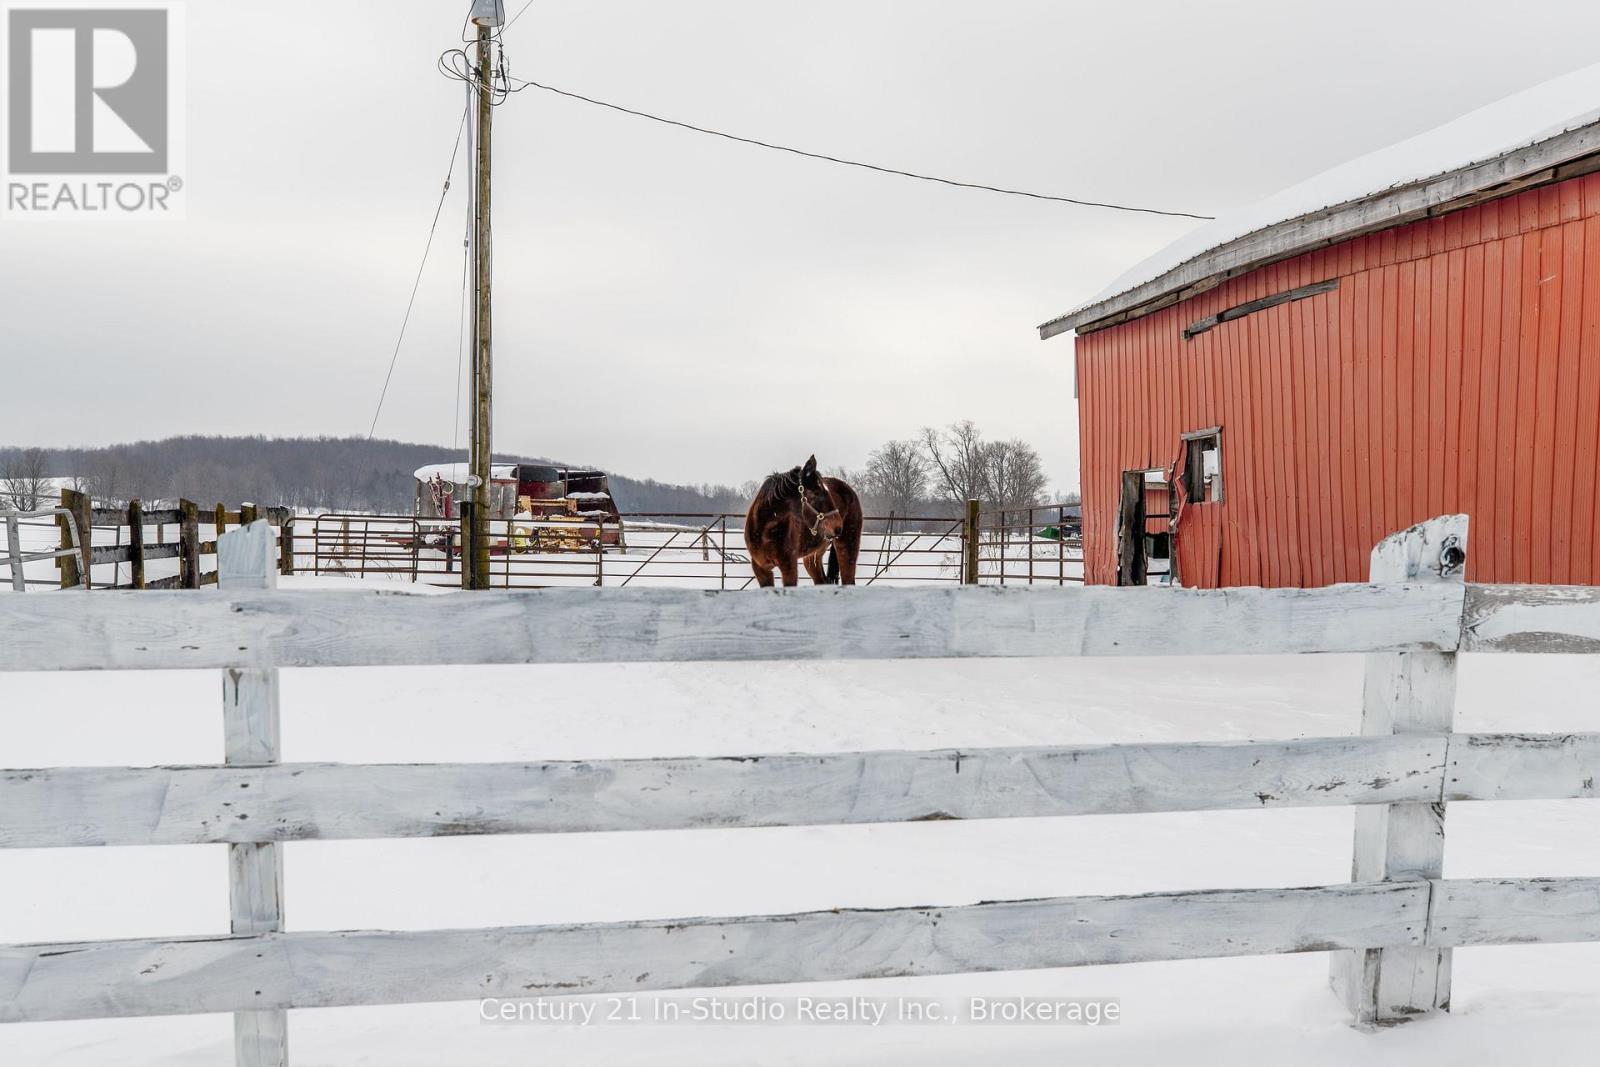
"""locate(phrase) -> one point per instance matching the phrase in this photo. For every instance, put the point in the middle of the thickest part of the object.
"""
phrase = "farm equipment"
(547, 508)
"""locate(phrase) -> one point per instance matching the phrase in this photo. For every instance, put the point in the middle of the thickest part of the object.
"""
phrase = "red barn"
(1412, 334)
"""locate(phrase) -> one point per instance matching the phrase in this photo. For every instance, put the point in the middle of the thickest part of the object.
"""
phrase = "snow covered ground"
(1538, 1004)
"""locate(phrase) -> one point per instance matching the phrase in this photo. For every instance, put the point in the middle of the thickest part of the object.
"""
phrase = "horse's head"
(820, 511)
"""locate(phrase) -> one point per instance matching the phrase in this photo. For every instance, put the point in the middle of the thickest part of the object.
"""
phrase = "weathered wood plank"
(1522, 767)
(1531, 618)
(1409, 692)
(326, 628)
(303, 970)
(1514, 911)
(189, 544)
(290, 802)
(14, 553)
(1250, 307)
(119, 516)
(110, 554)
(136, 543)
(252, 735)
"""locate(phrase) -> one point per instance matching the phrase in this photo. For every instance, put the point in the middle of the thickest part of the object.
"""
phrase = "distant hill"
(314, 473)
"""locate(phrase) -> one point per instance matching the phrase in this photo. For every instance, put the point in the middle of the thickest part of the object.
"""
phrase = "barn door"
(1131, 563)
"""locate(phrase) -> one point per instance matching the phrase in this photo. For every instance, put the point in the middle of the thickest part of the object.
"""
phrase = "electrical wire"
(513, 19)
(420, 267)
(456, 64)
(505, 88)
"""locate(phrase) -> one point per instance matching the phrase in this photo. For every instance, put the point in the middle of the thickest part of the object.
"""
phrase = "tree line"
(936, 472)
(931, 475)
(314, 474)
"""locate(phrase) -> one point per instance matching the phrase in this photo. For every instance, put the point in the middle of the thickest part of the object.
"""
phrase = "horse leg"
(813, 564)
(763, 575)
(789, 570)
(847, 560)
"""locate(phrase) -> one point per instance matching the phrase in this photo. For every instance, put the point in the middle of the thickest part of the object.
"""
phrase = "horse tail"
(833, 565)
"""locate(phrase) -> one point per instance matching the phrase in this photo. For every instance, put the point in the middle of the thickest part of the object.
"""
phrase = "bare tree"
(956, 459)
(24, 481)
(896, 476)
(1013, 475)
(104, 478)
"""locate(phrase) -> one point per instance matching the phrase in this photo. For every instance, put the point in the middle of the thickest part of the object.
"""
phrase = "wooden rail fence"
(136, 550)
(1390, 929)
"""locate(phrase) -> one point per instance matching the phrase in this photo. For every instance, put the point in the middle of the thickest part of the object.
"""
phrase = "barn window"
(1202, 466)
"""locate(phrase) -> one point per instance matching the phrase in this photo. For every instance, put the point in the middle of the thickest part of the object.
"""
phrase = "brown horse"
(797, 516)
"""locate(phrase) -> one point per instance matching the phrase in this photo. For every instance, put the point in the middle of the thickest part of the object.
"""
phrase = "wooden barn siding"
(1455, 369)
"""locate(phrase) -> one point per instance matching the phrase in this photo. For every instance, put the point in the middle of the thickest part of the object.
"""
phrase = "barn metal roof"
(1548, 133)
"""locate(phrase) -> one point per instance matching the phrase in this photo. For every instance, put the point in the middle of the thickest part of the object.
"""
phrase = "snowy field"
(1539, 1004)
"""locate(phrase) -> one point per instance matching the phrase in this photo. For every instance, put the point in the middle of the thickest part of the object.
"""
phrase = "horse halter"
(805, 506)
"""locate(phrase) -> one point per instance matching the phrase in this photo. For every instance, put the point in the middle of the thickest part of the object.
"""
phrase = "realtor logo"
(93, 115)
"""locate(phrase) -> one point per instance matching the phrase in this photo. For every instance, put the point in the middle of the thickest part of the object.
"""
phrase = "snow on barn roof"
(1512, 144)
(458, 472)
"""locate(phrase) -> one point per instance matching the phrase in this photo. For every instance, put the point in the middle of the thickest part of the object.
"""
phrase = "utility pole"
(487, 16)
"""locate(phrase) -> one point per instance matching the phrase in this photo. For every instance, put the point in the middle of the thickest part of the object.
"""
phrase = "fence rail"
(1390, 929)
(688, 550)
(325, 628)
(78, 806)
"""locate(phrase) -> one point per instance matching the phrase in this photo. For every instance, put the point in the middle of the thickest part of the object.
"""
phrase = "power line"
(512, 20)
(525, 84)
(418, 283)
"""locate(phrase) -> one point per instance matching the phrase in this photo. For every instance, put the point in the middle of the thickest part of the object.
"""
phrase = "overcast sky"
(677, 306)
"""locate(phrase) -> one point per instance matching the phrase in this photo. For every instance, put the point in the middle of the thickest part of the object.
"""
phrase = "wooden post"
(251, 734)
(248, 513)
(136, 543)
(19, 580)
(969, 545)
(189, 544)
(1405, 693)
(286, 547)
(482, 450)
(76, 571)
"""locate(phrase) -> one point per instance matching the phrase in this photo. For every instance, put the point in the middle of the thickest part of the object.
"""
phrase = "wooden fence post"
(286, 547)
(136, 543)
(969, 545)
(245, 560)
(189, 544)
(76, 571)
(19, 579)
(1404, 693)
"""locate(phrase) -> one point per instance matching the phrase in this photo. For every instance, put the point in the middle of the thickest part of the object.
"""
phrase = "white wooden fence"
(1391, 928)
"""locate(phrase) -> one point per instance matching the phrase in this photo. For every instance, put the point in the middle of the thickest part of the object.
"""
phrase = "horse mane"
(776, 488)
